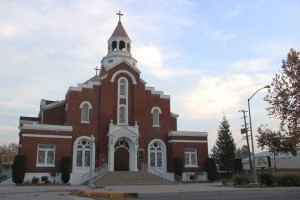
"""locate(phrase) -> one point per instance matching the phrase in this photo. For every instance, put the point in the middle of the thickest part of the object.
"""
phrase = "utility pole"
(245, 130)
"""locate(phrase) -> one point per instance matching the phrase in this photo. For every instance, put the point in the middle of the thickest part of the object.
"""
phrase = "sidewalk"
(13, 192)
(181, 190)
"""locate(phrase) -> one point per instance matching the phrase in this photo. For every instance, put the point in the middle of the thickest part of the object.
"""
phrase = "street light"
(92, 140)
(253, 163)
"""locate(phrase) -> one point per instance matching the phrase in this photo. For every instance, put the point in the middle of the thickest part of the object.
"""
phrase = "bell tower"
(119, 47)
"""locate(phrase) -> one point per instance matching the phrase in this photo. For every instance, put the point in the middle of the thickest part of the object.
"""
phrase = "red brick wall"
(56, 115)
(30, 147)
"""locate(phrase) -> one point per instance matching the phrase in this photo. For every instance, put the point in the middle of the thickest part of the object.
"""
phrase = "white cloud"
(212, 95)
(152, 60)
(251, 65)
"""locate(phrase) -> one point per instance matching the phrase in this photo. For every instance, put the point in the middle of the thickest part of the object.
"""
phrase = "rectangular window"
(190, 156)
(46, 155)
(152, 159)
(141, 154)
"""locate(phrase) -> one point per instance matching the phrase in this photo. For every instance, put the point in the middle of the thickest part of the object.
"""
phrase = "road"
(288, 196)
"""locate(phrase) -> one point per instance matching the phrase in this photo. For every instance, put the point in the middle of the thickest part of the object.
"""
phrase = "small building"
(284, 162)
(132, 124)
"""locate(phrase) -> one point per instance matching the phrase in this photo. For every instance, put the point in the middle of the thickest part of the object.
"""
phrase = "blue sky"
(210, 56)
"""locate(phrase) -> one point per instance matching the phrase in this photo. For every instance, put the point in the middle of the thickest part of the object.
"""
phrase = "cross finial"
(120, 14)
(96, 69)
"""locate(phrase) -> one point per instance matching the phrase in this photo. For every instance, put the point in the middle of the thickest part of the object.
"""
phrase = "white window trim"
(126, 115)
(46, 155)
(119, 101)
(126, 88)
(159, 113)
(89, 108)
(190, 153)
(164, 153)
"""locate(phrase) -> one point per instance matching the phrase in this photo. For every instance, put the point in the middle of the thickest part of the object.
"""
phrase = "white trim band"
(46, 127)
(47, 136)
(187, 141)
(187, 133)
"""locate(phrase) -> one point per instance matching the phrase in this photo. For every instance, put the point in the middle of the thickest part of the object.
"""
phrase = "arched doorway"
(157, 154)
(121, 157)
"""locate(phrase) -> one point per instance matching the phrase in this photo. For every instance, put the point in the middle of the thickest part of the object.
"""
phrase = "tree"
(214, 152)
(8, 153)
(244, 150)
(284, 96)
(225, 146)
(275, 142)
(239, 153)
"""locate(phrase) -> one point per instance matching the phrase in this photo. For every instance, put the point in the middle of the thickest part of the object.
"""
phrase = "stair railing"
(96, 173)
(160, 172)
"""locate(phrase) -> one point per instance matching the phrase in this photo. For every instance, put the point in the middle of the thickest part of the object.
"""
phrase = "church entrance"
(121, 157)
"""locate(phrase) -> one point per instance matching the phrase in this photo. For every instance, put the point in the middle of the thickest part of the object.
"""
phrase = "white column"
(110, 158)
(135, 160)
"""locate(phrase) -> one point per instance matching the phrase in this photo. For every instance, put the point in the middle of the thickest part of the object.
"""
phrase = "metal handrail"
(96, 173)
(159, 172)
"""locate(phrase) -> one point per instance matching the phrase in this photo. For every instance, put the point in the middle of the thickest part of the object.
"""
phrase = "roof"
(119, 31)
(93, 79)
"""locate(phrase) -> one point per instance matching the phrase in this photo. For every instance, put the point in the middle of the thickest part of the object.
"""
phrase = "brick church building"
(112, 118)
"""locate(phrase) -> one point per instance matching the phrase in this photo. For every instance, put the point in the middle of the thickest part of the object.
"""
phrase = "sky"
(209, 56)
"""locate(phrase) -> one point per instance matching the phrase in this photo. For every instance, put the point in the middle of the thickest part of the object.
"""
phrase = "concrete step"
(130, 178)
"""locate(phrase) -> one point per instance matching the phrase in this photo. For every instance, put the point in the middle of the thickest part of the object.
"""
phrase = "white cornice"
(174, 115)
(119, 62)
(187, 133)
(53, 105)
(89, 85)
(47, 136)
(187, 141)
(47, 127)
(160, 93)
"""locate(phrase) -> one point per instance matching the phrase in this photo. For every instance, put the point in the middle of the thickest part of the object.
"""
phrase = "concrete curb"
(239, 191)
(93, 193)
(221, 192)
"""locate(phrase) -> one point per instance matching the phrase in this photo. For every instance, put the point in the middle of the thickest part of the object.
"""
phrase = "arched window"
(122, 115)
(85, 111)
(128, 47)
(122, 87)
(122, 45)
(157, 154)
(83, 153)
(114, 45)
(155, 114)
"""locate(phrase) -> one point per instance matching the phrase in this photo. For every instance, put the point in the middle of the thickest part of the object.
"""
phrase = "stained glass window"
(83, 153)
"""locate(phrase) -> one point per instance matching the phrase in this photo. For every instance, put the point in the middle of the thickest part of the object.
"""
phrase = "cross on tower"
(120, 14)
(96, 69)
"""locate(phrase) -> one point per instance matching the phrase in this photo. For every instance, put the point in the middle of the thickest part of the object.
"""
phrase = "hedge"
(211, 169)
(18, 169)
(66, 169)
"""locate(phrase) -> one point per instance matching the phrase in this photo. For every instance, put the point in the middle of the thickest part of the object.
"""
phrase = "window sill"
(85, 122)
(157, 126)
(44, 165)
(191, 166)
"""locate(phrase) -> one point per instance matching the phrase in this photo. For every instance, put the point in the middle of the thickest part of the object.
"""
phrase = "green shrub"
(238, 166)
(266, 179)
(35, 180)
(240, 179)
(18, 169)
(66, 169)
(211, 169)
(288, 179)
(178, 166)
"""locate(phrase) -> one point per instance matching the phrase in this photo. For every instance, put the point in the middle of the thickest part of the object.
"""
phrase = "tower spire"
(120, 14)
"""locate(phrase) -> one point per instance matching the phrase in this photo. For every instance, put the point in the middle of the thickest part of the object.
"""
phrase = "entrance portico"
(123, 138)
